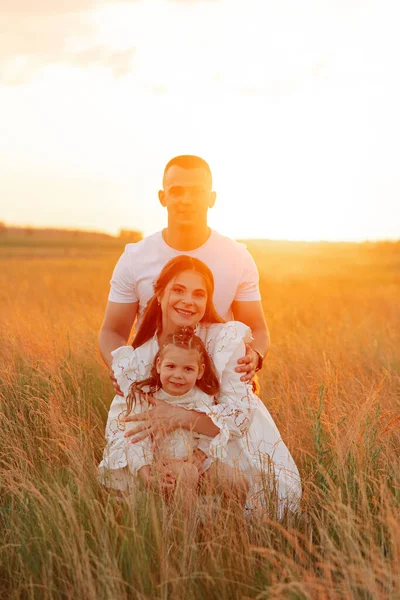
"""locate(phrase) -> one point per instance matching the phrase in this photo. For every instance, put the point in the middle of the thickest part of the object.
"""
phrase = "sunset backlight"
(293, 104)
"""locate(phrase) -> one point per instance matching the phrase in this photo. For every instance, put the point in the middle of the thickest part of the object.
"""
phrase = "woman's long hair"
(152, 317)
(184, 337)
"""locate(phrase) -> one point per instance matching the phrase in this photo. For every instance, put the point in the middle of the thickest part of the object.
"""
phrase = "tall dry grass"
(332, 383)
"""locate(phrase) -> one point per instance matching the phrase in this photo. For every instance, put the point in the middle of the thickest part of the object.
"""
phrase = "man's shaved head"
(189, 161)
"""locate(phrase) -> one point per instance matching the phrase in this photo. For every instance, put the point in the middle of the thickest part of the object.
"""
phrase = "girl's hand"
(157, 478)
(157, 422)
(248, 364)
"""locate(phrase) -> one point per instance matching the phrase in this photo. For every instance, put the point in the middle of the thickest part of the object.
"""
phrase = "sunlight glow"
(301, 134)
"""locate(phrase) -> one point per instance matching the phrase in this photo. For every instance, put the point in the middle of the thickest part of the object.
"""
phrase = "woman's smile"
(185, 312)
(183, 301)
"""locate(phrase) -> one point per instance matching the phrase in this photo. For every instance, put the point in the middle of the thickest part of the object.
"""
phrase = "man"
(187, 195)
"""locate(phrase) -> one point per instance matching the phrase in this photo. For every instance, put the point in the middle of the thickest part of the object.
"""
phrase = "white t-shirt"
(234, 270)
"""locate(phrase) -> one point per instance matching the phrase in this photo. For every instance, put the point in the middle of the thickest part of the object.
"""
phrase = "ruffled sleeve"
(139, 454)
(120, 452)
(128, 365)
(131, 365)
(235, 405)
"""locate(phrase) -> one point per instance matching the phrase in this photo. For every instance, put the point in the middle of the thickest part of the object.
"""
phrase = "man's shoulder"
(144, 244)
(223, 241)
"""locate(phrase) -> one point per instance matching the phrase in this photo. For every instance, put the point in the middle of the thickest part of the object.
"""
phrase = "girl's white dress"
(177, 445)
(248, 437)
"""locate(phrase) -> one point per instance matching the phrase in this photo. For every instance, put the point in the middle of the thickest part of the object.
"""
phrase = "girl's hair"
(152, 318)
(184, 337)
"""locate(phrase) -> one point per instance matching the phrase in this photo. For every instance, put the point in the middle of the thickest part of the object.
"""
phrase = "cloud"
(39, 33)
(52, 34)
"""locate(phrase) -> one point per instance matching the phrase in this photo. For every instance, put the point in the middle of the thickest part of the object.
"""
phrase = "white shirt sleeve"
(123, 284)
(248, 289)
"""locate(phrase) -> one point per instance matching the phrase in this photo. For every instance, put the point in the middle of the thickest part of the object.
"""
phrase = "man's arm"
(116, 328)
(252, 314)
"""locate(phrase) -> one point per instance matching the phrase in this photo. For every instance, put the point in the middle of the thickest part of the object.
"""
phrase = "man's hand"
(156, 478)
(116, 387)
(252, 314)
(248, 364)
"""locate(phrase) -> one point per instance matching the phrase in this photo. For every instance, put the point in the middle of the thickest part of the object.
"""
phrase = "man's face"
(187, 196)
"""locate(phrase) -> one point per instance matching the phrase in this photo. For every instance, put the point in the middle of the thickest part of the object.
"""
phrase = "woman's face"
(183, 302)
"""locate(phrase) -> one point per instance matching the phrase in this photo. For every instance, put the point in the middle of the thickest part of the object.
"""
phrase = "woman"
(245, 438)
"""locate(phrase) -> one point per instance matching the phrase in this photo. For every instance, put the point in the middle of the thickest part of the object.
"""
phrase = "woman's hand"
(157, 422)
(248, 364)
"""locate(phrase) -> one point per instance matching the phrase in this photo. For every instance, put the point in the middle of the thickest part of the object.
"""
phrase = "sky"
(294, 104)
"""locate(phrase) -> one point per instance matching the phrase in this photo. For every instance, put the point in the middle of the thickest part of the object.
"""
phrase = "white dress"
(180, 443)
(248, 438)
(177, 445)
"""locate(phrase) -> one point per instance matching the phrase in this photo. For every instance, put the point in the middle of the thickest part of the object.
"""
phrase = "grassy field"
(331, 382)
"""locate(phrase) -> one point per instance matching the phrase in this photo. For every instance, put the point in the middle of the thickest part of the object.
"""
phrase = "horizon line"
(238, 238)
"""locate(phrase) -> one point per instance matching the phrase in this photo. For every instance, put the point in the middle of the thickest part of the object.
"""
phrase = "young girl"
(183, 375)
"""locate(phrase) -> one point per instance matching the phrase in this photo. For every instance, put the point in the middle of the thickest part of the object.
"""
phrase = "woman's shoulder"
(222, 341)
(122, 352)
(230, 332)
(130, 354)
(133, 364)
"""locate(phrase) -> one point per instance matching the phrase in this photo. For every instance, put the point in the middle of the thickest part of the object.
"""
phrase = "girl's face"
(183, 301)
(179, 369)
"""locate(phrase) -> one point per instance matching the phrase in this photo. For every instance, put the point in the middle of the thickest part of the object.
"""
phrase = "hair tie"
(183, 335)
